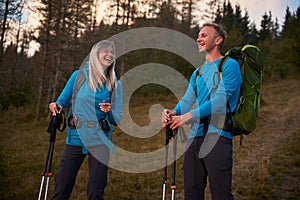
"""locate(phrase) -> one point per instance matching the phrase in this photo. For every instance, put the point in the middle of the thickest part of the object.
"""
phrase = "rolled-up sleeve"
(116, 106)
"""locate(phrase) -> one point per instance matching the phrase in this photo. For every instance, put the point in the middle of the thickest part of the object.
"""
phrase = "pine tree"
(64, 22)
(290, 38)
(266, 27)
(9, 10)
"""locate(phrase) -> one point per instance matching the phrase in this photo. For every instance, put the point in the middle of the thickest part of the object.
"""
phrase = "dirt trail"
(279, 119)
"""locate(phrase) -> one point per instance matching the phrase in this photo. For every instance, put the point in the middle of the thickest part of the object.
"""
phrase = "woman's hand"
(105, 107)
(54, 108)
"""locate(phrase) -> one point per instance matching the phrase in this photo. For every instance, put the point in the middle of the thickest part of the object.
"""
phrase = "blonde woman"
(95, 97)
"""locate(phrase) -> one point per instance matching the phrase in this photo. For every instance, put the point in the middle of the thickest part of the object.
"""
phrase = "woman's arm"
(115, 113)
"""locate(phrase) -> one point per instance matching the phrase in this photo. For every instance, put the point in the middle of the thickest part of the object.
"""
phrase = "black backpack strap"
(205, 120)
(223, 59)
(198, 73)
(228, 123)
(73, 121)
(228, 118)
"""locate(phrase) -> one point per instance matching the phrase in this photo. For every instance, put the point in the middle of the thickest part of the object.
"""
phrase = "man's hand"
(166, 117)
(180, 120)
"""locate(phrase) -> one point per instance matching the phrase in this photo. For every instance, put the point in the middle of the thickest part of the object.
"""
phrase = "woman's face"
(106, 57)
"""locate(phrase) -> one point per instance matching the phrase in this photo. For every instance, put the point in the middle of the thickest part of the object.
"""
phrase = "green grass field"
(266, 166)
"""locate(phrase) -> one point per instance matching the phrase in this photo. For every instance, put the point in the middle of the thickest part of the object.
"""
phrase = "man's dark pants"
(213, 161)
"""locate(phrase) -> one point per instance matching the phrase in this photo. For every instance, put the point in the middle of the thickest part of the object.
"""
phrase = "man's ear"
(218, 40)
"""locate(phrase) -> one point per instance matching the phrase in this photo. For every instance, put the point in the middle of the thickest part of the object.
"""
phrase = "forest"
(266, 166)
(68, 29)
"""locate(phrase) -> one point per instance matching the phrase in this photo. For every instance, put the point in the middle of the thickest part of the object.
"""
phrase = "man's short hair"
(218, 28)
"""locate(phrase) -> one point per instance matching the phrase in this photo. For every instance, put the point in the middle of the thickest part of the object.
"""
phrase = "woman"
(96, 103)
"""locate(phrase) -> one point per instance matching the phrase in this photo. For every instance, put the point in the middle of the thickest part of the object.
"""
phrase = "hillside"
(266, 166)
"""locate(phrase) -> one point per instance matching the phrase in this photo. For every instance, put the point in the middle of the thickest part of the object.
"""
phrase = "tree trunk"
(44, 61)
(3, 28)
(118, 9)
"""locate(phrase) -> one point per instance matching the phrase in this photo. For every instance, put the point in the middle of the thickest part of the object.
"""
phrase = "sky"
(257, 8)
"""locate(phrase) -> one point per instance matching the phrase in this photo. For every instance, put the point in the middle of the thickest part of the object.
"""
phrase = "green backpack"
(251, 63)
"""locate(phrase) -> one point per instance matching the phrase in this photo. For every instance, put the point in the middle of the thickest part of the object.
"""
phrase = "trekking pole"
(47, 171)
(169, 134)
(173, 187)
(54, 124)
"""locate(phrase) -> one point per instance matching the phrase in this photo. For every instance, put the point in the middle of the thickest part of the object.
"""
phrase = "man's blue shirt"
(209, 91)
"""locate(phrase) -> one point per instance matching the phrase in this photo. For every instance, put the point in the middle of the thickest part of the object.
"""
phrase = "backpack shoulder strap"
(79, 81)
(220, 66)
(198, 73)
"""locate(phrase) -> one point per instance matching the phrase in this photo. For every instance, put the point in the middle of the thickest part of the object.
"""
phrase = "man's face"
(206, 39)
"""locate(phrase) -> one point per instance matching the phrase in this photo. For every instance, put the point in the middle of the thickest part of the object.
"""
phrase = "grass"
(284, 170)
(266, 166)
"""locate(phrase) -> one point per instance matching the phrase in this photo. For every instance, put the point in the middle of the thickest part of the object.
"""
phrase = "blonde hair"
(97, 75)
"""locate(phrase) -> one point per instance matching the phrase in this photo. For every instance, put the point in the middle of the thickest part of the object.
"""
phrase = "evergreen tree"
(212, 11)
(166, 16)
(228, 16)
(290, 40)
(234, 23)
(271, 47)
(266, 27)
(287, 23)
(9, 10)
(69, 28)
(63, 22)
(253, 36)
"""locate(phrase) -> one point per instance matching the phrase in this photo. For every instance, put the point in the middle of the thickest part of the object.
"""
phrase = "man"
(209, 148)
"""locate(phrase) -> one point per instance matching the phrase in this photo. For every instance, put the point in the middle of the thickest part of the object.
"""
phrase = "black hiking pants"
(213, 161)
(71, 161)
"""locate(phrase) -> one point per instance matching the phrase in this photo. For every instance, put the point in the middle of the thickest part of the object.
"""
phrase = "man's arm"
(180, 114)
(228, 90)
(189, 98)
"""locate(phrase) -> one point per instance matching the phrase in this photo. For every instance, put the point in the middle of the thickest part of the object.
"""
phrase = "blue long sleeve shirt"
(86, 107)
(209, 92)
